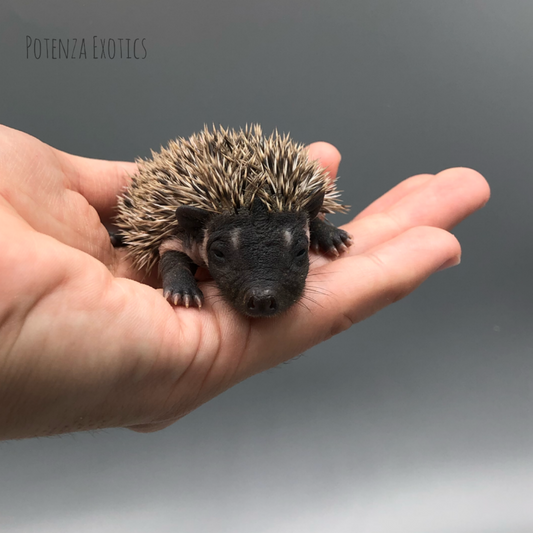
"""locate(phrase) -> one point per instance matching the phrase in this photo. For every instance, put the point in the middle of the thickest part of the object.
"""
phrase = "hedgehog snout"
(261, 302)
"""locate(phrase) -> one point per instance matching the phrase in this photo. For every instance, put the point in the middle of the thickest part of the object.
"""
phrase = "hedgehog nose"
(261, 302)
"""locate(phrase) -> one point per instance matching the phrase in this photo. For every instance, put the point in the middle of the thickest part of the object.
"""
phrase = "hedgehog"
(246, 206)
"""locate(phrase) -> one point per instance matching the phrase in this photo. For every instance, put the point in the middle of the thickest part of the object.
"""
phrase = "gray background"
(419, 419)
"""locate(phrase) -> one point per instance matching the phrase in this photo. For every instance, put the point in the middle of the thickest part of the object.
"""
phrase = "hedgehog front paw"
(188, 296)
(327, 238)
(179, 285)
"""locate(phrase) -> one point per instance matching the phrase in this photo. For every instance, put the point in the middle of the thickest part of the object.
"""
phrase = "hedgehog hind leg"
(327, 238)
(179, 286)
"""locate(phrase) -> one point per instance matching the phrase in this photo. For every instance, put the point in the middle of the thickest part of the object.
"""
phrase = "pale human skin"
(85, 345)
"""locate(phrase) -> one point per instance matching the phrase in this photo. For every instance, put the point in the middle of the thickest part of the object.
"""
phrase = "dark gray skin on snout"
(258, 259)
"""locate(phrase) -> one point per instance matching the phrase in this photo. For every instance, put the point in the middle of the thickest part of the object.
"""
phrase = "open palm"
(85, 344)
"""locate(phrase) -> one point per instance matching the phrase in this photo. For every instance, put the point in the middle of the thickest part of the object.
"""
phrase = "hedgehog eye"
(301, 252)
(218, 254)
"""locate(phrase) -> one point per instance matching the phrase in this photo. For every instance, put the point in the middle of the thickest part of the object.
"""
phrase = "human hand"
(85, 345)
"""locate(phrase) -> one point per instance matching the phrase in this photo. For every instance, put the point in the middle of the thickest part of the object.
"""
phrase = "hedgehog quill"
(246, 206)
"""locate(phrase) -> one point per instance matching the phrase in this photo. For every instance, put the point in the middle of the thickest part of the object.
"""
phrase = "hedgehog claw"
(342, 248)
(328, 238)
(187, 297)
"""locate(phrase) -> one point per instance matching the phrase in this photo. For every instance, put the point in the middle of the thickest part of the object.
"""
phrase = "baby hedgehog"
(246, 206)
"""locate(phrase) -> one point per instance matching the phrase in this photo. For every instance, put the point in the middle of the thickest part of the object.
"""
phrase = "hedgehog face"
(259, 261)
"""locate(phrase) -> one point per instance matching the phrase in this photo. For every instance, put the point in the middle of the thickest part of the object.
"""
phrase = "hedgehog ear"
(192, 218)
(258, 206)
(314, 204)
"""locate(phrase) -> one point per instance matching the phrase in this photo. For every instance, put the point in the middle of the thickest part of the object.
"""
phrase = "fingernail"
(454, 261)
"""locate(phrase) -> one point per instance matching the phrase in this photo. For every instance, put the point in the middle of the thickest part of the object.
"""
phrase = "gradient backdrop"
(418, 420)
